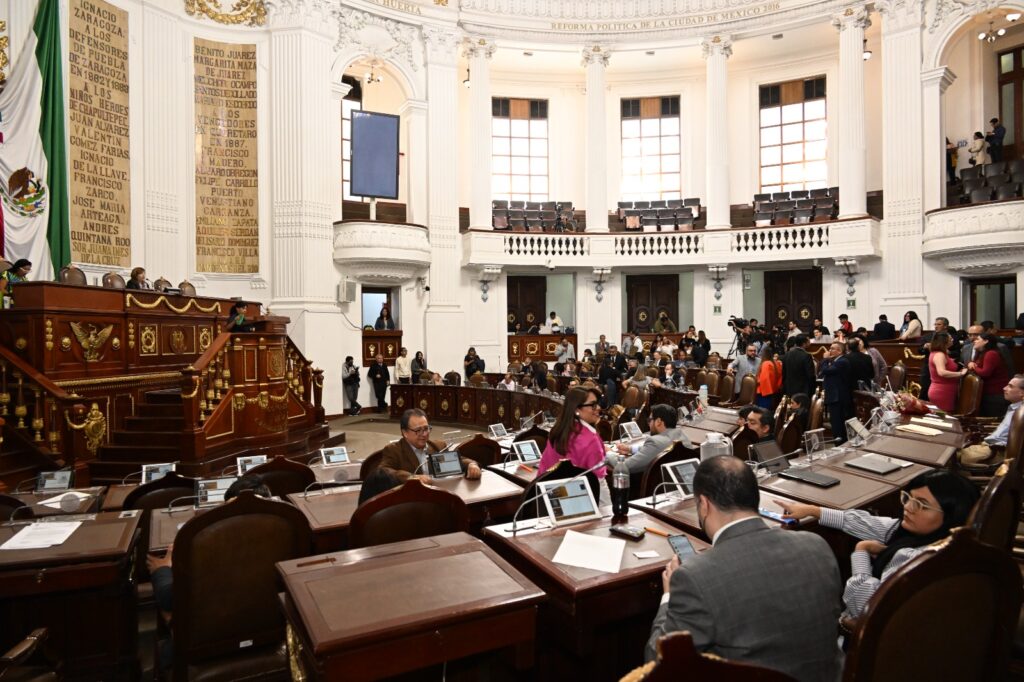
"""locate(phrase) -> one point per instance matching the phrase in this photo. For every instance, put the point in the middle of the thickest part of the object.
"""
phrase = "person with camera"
(350, 384)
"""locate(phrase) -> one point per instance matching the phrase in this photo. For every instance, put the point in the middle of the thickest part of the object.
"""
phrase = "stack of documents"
(42, 535)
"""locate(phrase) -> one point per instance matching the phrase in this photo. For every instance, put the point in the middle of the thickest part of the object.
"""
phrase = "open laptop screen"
(497, 430)
(334, 456)
(54, 480)
(443, 464)
(527, 451)
(682, 474)
(211, 491)
(249, 462)
(569, 501)
(153, 472)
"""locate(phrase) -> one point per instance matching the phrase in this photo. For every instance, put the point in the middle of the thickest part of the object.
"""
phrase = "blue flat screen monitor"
(374, 155)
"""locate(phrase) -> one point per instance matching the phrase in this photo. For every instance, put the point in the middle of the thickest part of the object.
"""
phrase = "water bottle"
(620, 487)
(703, 396)
(715, 444)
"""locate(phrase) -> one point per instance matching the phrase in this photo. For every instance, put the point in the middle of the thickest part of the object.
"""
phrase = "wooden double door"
(526, 299)
(793, 295)
(647, 296)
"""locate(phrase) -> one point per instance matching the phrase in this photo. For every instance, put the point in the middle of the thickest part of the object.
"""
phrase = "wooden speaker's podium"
(108, 379)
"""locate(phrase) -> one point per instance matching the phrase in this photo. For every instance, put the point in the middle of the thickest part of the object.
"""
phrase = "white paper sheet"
(589, 551)
(54, 502)
(922, 430)
(42, 535)
(931, 421)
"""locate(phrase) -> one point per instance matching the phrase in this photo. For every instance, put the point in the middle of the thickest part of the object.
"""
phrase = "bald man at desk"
(407, 456)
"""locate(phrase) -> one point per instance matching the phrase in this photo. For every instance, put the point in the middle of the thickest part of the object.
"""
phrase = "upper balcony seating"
(798, 207)
(533, 216)
(992, 182)
(660, 215)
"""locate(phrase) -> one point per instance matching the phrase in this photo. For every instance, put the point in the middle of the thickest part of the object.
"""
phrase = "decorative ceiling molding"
(251, 12)
(382, 38)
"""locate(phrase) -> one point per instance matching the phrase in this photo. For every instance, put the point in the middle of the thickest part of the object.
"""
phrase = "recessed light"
(527, 54)
(777, 36)
(649, 53)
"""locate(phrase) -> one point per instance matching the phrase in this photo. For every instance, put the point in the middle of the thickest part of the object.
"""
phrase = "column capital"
(857, 17)
(478, 46)
(899, 15)
(596, 54)
(341, 89)
(441, 44)
(942, 76)
(412, 106)
(716, 45)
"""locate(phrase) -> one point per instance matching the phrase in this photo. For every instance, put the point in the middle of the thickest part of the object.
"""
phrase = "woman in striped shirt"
(933, 503)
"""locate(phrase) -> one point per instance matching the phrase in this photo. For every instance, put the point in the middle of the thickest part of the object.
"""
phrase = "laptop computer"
(878, 464)
(630, 431)
(154, 472)
(51, 481)
(444, 464)
(334, 456)
(526, 451)
(569, 501)
(247, 462)
(681, 473)
(210, 491)
(765, 451)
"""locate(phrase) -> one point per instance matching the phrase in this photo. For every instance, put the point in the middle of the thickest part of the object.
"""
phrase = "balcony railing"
(985, 238)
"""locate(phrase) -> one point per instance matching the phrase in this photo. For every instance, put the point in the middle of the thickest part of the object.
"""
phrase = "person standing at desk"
(407, 456)
(237, 322)
(573, 437)
(783, 617)
(379, 375)
(403, 367)
(798, 369)
(837, 386)
(384, 321)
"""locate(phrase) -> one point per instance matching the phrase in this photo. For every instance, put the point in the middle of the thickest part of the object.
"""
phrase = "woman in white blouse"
(933, 503)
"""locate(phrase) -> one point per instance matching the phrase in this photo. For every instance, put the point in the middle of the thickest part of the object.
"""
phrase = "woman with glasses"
(574, 437)
(988, 364)
(933, 504)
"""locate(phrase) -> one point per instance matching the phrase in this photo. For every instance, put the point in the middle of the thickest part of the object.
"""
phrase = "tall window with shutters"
(650, 149)
(519, 149)
(353, 101)
(794, 140)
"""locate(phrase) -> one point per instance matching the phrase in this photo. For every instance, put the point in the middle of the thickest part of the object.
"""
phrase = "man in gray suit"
(759, 595)
(664, 433)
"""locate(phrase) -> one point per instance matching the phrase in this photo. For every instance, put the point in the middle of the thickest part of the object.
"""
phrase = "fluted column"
(903, 270)
(338, 93)
(852, 148)
(595, 59)
(445, 317)
(479, 52)
(414, 121)
(717, 51)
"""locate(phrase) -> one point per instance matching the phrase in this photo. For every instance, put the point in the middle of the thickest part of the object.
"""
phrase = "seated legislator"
(760, 595)
(407, 457)
(160, 566)
(933, 503)
(761, 422)
(641, 453)
(573, 437)
(137, 280)
(237, 322)
(13, 275)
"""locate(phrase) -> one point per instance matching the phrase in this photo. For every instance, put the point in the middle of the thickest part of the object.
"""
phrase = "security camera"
(549, 265)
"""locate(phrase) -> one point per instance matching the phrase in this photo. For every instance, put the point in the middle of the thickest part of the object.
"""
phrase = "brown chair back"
(453, 379)
(10, 505)
(71, 274)
(631, 398)
(283, 476)
(1015, 440)
(481, 449)
(478, 380)
(653, 475)
(948, 614)
(161, 493)
(112, 280)
(897, 375)
(712, 380)
(187, 288)
(816, 418)
(700, 379)
(604, 430)
(968, 399)
(226, 582)
(370, 465)
(748, 391)
(534, 433)
(741, 442)
(426, 377)
(997, 513)
(678, 659)
(412, 511)
(726, 384)
(791, 436)
(780, 414)
(161, 284)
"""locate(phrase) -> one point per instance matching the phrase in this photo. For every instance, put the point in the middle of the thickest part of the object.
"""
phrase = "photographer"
(350, 383)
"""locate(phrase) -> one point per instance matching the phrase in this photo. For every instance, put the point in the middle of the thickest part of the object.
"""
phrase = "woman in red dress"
(945, 375)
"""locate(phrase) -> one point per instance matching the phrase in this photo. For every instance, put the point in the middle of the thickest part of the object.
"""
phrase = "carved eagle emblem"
(91, 339)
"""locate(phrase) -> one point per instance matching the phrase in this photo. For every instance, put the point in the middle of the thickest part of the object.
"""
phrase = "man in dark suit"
(782, 617)
(798, 369)
(380, 377)
(761, 422)
(884, 329)
(407, 457)
(838, 389)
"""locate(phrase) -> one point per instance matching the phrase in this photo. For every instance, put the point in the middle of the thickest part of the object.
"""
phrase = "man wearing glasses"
(407, 456)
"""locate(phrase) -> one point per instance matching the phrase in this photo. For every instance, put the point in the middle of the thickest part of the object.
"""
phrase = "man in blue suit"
(838, 388)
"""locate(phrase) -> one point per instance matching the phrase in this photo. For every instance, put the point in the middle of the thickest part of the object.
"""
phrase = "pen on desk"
(656, 531)
(325, 560)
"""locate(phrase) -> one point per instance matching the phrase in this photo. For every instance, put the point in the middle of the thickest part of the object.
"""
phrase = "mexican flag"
(33, 159)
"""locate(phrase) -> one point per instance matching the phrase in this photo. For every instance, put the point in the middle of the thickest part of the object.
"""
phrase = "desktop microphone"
(228, 468)
(528, 421)
(305, 493)
(515, 517)
(16, 510)
(17, 488)
(133, 473)
(654, 497)
(170, 505)
(341, 476)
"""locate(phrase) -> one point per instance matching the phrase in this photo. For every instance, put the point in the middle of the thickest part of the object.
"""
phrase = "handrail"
(203, 383)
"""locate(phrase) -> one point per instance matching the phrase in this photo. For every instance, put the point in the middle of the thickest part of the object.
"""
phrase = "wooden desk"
(83, 591)
(853, 492)
(490, 498)
(912, 450)
(539, 346)
(328, 513)
(601, 620)
(114, 499)
(683, 513)
(897, 478)
(453, 597)
(337, 473)
(515, 472)
(954, 439)
(164, 525)
(86, 506)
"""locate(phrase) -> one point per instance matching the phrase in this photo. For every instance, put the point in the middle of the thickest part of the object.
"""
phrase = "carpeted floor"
(368, 433)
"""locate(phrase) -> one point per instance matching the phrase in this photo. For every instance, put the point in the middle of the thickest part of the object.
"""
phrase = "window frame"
(662, 192)
(530, 161)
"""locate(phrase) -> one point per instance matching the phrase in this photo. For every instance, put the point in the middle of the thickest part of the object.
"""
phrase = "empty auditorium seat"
(798, 194)
(970, 173)
(783, 217)
(802, 216)
(819, 193)
(684, 222)
(521, 205)
(780, 196)
(762, 197)
(1015, 166)
(980, 195)
(517, 224)
(804, 203)
(660, 203)
(649, 223)
(1008, 190)
(623, 206)
(674, 204)
(642, 205)
(787, 205)
(693, 203)
(996, 180)
(994, 168)
(763, 219)
(499, 219)
(497, 204)
(972, 184)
